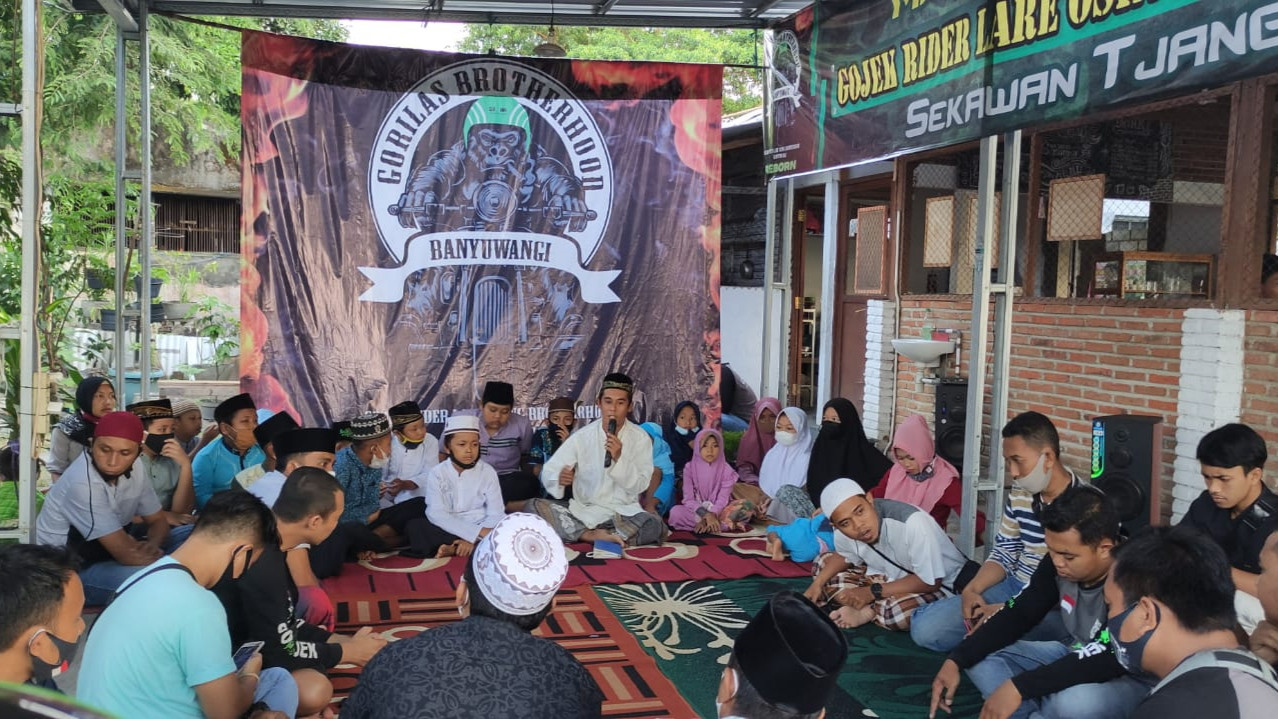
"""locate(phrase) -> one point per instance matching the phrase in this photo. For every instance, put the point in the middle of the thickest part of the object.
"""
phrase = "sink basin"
(926, 352)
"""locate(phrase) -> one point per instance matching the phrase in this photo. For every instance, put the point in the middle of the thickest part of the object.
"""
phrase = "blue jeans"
(1114, 699)
(733, 423)
(102, 579)
(939, 626)
(278, 690)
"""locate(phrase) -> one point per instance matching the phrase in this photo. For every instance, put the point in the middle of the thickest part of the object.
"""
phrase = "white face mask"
(1037, 479)
(786, 439)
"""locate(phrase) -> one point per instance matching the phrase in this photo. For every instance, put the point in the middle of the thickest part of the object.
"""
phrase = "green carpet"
(689, 628)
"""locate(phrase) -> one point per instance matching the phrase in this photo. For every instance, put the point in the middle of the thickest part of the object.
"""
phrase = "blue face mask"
(685, 431)
(1130, 654)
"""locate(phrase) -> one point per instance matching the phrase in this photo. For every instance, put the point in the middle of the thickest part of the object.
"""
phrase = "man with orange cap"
(91, 510)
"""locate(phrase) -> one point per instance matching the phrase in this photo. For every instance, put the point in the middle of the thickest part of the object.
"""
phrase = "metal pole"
(824, 379)
(769, 276)
(121, 211)
(980, 333)
(29, 348)
(1003, 297)
(145, 239)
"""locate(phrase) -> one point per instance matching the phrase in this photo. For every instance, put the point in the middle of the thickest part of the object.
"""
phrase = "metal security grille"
(871, 244)
(188, 223)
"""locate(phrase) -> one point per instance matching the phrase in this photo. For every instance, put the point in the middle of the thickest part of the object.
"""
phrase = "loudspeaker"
(951, 417)
(1127, 466)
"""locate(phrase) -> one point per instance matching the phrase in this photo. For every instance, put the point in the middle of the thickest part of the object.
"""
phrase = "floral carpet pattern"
(689, 628)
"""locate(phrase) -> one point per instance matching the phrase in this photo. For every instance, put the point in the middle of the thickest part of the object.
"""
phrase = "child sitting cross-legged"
(463, 497)
(707, 487)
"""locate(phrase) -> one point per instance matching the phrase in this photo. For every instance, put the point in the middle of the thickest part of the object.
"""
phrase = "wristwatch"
(877, 590)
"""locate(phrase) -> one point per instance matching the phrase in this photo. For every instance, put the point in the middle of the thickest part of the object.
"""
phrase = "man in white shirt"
(91, 510)
(607, 464)
(414, 452)
(889, 559)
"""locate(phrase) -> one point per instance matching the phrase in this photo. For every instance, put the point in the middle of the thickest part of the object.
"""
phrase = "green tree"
(741, 86)
(195, 93)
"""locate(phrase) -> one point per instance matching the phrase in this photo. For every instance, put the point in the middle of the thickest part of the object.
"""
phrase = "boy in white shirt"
(414, 452)
(463, 497)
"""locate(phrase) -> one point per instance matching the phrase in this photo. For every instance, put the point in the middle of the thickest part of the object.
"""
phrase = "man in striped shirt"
(1031, 451)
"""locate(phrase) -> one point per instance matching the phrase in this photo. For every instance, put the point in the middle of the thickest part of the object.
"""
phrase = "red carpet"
(632, 684)
(685, 557)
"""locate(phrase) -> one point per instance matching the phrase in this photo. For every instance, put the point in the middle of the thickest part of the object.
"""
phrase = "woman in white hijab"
(786, 465)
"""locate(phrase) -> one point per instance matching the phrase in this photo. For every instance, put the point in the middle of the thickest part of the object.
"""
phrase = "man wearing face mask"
(785, 663)
(233, 451)
(1031, 451)
(261, 605)
(1171, 615)
(41, 600)
(1075, 676)
(162, 648)
(92, 508)
(361, 470)
(166, 464)
(264, 433)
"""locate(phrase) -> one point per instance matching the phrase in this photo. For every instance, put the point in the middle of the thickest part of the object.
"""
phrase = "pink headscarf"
(754, 443)
(708, 482)
(914, 439)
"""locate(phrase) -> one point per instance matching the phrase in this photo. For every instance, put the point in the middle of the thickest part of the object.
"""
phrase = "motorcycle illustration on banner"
(485, 218)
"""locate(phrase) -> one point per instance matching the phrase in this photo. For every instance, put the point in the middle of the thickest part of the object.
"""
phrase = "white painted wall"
(741, 334)
(1210, 393)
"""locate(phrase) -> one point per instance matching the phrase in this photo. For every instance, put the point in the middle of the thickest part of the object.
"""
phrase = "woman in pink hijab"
(707, 486)
(759, 437)
(921, 478)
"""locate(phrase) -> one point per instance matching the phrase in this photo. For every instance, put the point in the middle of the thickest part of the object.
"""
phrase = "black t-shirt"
(1242, 537)
(1215, 692)
(261, 607)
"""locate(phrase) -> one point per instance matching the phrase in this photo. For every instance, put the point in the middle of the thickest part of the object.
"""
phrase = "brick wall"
(1070, 362)
(1260, 382)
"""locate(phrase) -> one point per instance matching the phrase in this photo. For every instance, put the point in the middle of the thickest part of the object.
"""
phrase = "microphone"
(612, 429)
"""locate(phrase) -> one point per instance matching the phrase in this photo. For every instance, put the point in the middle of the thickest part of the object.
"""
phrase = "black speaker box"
(1127, 466)
(951, 418)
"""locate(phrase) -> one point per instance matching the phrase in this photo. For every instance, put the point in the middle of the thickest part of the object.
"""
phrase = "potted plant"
(156, 283)
(186, 281)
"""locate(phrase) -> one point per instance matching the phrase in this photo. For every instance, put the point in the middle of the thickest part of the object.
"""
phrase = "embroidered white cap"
(520, 564)
(460, 423)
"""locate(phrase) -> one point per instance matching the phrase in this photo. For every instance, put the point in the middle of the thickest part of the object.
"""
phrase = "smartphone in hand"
(246, 652)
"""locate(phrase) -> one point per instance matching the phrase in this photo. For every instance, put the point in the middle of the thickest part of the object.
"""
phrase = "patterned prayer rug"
(689, 628)
(633, 687)
(685, 557)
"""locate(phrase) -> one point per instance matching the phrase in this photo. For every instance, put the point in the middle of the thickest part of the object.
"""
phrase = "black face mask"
(42, 671)
(830, 430)
(155, 442)
(463, 467)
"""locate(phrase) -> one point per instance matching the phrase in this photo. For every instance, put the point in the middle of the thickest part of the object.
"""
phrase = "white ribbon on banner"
(449, 249)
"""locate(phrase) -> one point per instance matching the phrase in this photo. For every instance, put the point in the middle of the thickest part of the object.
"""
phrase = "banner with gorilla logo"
(417, 224)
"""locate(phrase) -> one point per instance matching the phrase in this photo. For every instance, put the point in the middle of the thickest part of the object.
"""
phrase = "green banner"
(856, 80)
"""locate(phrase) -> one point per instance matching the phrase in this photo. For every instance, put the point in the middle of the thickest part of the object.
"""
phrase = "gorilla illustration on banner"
(417, 224)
